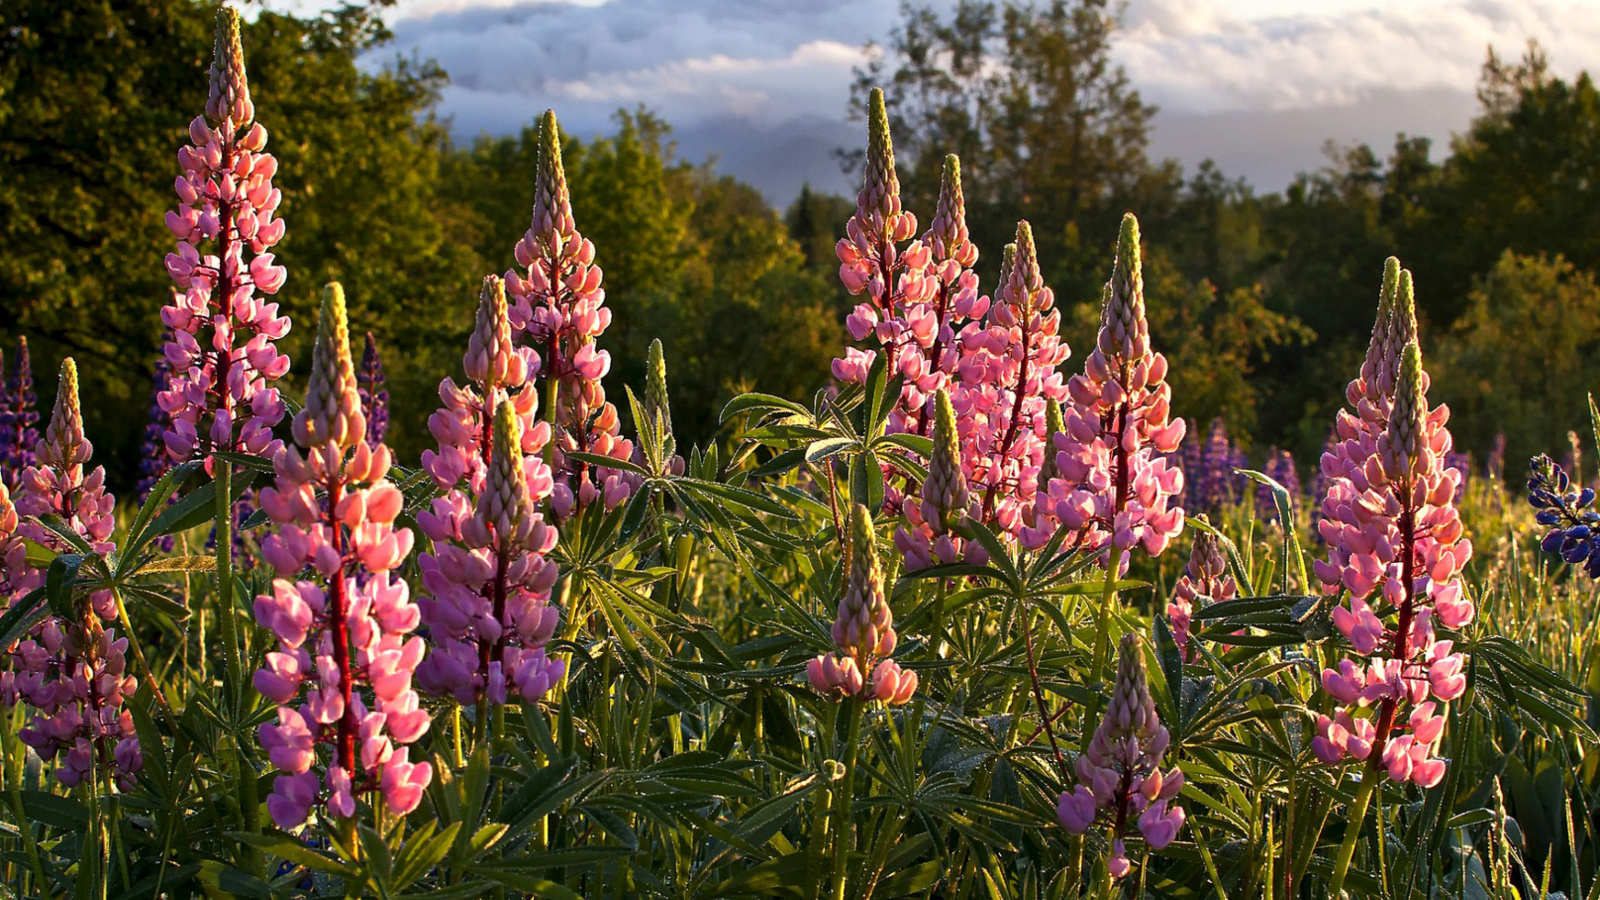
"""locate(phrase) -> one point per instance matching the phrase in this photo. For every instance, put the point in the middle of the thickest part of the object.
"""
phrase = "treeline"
(1263, 303)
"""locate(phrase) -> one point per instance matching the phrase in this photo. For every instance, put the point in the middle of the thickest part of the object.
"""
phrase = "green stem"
(249, 799)
(1352, 835)
(138, 657)
(843, 832)
(13, 779)
(224, 553)
(1102, 626)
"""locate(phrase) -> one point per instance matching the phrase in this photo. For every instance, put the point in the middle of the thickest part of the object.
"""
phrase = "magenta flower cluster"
(1393, 532)
(919, 297)
(221, 351)
(1120, 773)
(345, 656)
(559, 308)
(1117, 487)
(19, 416)
(72, 672)
(487, 581)
(863, 630)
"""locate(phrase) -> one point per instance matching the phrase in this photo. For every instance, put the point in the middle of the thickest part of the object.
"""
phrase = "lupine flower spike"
(1280, 468)
(1117, 488)
(487, 581)
(19, 433)
(342, 669)
(374, 396)
(930, 536)
(221, 352)
(1566, 509)
(17, 578)
(1205, 581)
(1392, 528)
(559, 309)
(1008, 375)
(73, 671)
(863, 630)
(1120, 774)
(919, 298)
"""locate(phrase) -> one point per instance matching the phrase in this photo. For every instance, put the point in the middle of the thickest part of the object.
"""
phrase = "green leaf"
(184, 564)
(751, 402)
(23, 614)
(608, 462)
(817, 451)
(292, 849)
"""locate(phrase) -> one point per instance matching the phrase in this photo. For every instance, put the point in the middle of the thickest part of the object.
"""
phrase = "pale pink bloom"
(863, 630)
(1393, 531)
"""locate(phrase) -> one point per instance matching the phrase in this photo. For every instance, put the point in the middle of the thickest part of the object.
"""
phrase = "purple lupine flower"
(1565, 508)
(153, 459)
(1280, 467)
(1461, 461)
(374, 396)
(19, 432)
(1495, 466)
(1120, 773)
(1208, 470)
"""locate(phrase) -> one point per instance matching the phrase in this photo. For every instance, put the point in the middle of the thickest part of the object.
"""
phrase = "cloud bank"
(1258, 85)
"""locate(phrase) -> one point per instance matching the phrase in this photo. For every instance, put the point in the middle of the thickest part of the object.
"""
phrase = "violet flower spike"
(72, 671)
(374, 396)
(1117, 488)
(19, 433)
(487, 582)
(1120, 772)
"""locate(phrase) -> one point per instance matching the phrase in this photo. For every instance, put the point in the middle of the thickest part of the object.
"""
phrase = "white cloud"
(1250, 82)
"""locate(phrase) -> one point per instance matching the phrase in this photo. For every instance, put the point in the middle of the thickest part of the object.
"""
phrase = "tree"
(1523, 356)
(1048, 128)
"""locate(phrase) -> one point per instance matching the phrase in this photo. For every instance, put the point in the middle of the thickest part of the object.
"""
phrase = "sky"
(1259, 86)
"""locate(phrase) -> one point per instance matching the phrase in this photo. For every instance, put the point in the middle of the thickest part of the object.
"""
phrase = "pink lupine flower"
(72, 671)
(342, 640)
(1205, 581)
(863, 630)
(487, 580)
(17, 578)
(929, 536)
(222, 331)
(1117, 488)
(919, 297)
(1120, 773)
(57, 484)
(559, 309)
(1393, 531)
(1008, 376)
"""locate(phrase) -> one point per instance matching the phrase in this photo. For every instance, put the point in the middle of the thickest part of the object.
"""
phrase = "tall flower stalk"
(1120, 772)
(859, 671)
(558, 308)
(488, 581)
(1117, 488)
(19, 418)
(1008, 377)
(1205, 581)
(73, 670)
(342, 670)
(1393, 531)
(374, 396)
(222, 353)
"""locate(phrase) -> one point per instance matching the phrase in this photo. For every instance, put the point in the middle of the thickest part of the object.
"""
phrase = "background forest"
(1263, 302)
